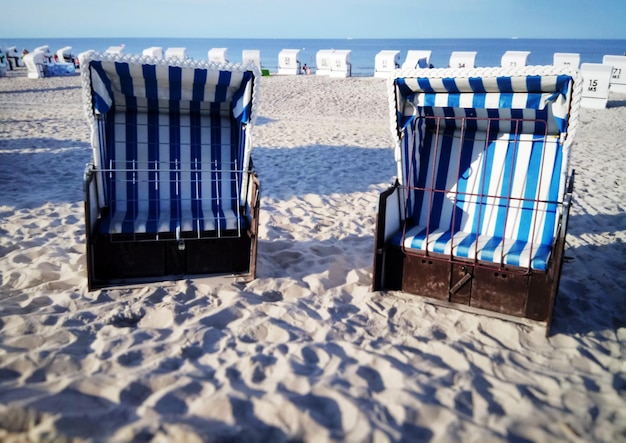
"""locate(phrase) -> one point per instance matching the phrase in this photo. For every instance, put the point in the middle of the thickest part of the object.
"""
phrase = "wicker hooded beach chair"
(478, 216)
(171, 191)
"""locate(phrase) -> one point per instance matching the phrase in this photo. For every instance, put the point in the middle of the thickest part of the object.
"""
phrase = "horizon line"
(324, 38)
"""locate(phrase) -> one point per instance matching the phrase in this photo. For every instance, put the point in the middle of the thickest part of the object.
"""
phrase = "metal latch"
(457, 287)
(181, 242)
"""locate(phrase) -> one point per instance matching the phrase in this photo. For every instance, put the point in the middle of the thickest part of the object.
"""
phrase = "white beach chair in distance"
(288, 62)
(618, 76)
(569, 59)
(3, 64)
(180, 53)
(65, 55)
(340, 63)
(417, 59)
(463, 59)
(251, 57)
(514, 59)
(385, 62)
(596, 82)
(323, 61)
(35, 62)
(153, 51)
(13, 58)
(218, 55)
(45, 50)
(115, 49)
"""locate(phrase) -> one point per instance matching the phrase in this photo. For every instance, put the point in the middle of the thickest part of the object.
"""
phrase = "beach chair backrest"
(218, 55)
(115, 49)
(323, 62)
(34, 62)
(463, 59)
(173, 53)
(251, 56)
(340, 63)
(417, 59)
(567, 59)
(386, 62)
(514, 59)
(618, 75)
(596, 83)
(153, 51)
(289, 62)
(65, 54)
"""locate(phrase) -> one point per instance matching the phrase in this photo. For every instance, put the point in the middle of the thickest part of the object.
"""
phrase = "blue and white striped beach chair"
(171, 191)
(478, 216)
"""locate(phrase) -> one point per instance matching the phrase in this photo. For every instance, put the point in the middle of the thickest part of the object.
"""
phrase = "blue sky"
(315, 18)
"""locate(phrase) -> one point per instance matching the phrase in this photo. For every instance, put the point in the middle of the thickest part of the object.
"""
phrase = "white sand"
(304, 352)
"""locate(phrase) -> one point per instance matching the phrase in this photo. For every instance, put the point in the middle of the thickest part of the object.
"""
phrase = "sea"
(363, 51)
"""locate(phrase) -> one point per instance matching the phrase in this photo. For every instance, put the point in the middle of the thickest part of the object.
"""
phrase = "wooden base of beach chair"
(505, 292)
(126, 259)
(113, 262)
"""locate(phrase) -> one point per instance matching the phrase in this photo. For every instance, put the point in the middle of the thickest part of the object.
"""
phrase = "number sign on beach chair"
(571, 60)
(618, 75)
(463, 59)
(340, 63)
(386, 62)
(171, 191)
(323, 62)
(289, 62)
(514, 59)
(596, 83)
(478, 216)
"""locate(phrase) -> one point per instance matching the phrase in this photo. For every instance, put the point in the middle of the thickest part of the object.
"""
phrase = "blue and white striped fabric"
(172, 144)
(128, 85)
(484, 165)
(491, 199)
(172, 173)
(529, 97)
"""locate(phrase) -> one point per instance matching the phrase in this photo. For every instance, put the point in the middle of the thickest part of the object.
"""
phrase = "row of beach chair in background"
(599, 78)
(40, 62)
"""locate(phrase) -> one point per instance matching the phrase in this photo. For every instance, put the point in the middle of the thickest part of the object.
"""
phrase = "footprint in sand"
(135, 394)
(159, 318)
(272, 331)
(126, 317)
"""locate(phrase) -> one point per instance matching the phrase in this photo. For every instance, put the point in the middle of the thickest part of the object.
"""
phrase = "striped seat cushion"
(172, 172)
(484, 196)
(488, 248)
